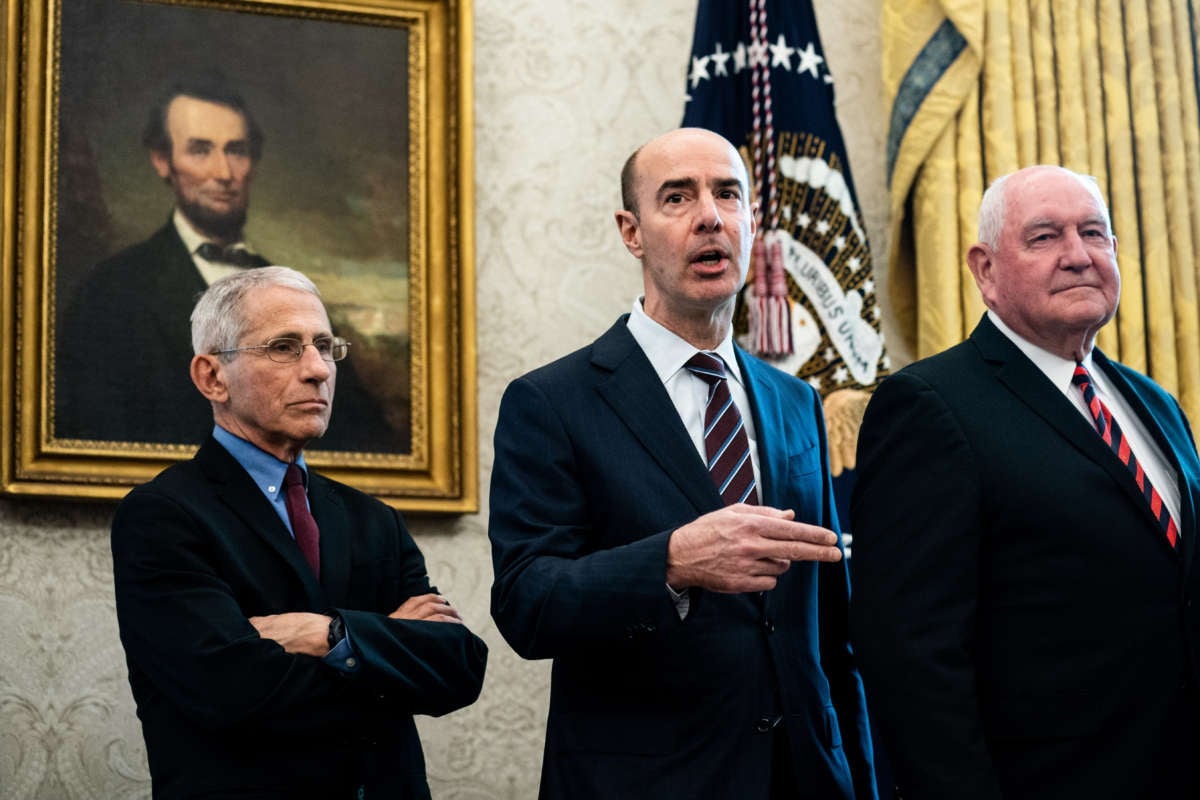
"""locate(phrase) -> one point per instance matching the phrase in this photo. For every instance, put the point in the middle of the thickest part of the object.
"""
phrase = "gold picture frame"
(378, 212)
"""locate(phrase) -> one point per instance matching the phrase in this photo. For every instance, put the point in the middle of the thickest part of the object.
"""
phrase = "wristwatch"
(337, 630)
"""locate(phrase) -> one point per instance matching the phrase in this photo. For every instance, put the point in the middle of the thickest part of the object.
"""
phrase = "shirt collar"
(264, 469)
(668, 352)
(1058, 369)
(192, 238)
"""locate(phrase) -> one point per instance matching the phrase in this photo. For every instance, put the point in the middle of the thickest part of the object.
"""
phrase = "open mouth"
(709, 258)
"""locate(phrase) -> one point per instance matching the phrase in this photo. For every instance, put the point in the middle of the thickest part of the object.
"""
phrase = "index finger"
(792, 531)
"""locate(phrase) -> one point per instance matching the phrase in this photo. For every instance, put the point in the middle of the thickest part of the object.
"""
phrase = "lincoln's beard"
(225, 226)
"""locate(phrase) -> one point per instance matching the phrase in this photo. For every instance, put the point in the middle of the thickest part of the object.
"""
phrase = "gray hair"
(992, 206)
(219, 318)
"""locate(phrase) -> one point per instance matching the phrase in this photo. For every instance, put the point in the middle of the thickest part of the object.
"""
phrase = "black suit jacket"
(199, 550)
(1022, 625)
(123, 351)
(593, 471)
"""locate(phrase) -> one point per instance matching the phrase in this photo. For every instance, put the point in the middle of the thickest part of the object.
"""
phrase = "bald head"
(685, 139)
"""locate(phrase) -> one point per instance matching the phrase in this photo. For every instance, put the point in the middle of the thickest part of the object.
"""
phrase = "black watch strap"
(337, 630)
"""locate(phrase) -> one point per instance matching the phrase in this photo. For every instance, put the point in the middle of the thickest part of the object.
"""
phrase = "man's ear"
(208, 373)
(980, 262)
(161, 163)
(631, 232)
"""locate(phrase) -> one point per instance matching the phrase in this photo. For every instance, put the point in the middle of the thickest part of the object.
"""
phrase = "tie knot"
(294, 476)
(1080, 376)
(707, 367)
(236, 255)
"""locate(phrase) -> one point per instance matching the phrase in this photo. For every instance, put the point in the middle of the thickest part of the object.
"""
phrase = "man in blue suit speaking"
(663, 527)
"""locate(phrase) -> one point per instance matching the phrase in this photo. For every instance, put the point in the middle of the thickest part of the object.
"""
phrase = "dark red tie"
(1114, 437)
(303, 524)
(725, 440)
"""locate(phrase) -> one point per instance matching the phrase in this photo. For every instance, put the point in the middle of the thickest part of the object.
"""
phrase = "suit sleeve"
(917, 556)
(426, 667)
(184, 628)
(556, 589)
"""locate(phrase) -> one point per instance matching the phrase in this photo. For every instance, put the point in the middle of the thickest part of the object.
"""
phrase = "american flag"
(758, 76)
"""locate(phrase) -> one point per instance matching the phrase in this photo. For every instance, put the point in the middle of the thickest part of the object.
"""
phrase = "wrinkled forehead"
(689, 155)
(274, 311)
(1053, 194)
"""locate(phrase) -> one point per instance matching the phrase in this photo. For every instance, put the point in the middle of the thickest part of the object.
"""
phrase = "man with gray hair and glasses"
(279, 627)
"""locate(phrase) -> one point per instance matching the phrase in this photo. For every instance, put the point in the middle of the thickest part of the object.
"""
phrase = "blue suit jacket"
(1023, 627)
(593, 471)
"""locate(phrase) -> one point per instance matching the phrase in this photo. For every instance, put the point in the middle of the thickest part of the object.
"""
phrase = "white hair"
(219, 318)
(992, 206)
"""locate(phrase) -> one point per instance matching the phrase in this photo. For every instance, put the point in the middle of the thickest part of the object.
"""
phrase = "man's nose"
(313, 367)
(1075, 252)
(708, 216)
(222, 167)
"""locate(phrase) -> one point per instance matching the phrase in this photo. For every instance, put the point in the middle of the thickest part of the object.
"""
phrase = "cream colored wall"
(563, 92)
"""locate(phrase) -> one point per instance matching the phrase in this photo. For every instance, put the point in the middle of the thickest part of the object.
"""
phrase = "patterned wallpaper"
(564, 91)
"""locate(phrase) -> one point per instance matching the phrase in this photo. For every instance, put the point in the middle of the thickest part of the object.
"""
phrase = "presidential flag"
(758, 76)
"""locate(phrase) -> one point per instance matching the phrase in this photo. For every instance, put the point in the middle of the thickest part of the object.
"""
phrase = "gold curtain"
(979, 88)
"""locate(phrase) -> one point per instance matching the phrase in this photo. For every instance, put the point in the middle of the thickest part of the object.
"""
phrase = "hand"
(428, 607)
(743, 548)
(298, 632)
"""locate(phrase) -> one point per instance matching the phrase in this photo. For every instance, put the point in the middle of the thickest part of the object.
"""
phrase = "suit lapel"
(1031, 387)
(767, 411)
(235, 488)
(1180, 460)
(631, 387)
(330, 514)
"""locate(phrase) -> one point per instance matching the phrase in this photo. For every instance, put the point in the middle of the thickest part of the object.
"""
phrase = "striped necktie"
(725, 442)
(1114, 437)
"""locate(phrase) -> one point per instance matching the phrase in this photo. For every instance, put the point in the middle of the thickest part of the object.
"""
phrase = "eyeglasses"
(289, 351)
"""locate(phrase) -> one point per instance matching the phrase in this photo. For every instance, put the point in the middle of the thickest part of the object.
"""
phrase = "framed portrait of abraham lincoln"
(152, 146)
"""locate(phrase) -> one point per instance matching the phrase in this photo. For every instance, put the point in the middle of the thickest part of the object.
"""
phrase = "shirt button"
(351, 663)
(763, 725)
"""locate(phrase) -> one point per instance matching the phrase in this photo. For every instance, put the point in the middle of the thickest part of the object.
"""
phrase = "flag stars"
(841, 374)
(815, 382)
(875, 312)
(758, 54)
(868, 285)
(804, 219)
(739, 58)
(699, 70)
(830, 354)
(809, 60)
(823, 227)
(885, 361)
(781, 54)
(840, 243)
(718, 58)
(855, 263)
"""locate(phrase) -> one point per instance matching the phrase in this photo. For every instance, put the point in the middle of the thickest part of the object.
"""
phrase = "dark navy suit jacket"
(593, 471)
(225, 713)
(1022, 625)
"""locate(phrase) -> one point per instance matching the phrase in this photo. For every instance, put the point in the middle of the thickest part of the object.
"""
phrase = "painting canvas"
(342, 105)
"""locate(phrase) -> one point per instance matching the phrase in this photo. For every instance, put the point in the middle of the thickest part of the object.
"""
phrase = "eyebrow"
(692, 183)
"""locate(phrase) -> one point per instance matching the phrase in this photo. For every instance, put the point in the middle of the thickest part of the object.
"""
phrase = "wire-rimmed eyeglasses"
(286, 350)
